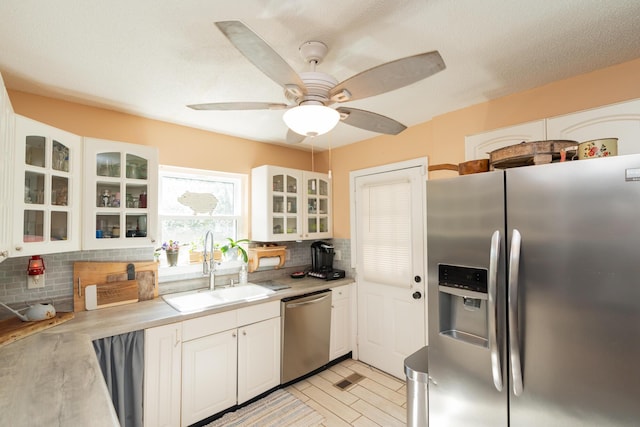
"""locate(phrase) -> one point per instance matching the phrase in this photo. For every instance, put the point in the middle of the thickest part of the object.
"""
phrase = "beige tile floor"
(378, 399)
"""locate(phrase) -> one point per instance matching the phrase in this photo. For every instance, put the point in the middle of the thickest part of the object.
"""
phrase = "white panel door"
(258, 358)
(479, 146)
(162, 367)
(389, 217)
(340, 343)
(620, 121)
(209, 370)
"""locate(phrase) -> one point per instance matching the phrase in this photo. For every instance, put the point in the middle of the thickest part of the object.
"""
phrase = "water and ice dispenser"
(463, 303)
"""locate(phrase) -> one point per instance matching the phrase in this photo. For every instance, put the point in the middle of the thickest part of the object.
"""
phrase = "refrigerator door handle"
(496, 365)
(514, 333)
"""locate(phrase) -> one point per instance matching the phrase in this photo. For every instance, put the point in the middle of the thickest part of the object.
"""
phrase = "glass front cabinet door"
(289, 204)
(317, 202)
(276, 197)
(121, 194)
(46, 189)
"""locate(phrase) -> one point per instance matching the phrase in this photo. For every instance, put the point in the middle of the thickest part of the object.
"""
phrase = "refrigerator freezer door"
(464, 215)
(578, 292)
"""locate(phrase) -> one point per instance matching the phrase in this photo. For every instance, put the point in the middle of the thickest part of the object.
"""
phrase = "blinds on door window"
(386, 233)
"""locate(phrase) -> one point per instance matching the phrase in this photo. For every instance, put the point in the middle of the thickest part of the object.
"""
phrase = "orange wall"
(178, 145)
(440, 139)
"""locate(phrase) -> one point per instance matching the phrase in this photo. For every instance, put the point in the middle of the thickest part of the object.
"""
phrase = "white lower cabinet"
(162, 375)
(340, 342)
(258, 358)
(229, 358)
(209, 366)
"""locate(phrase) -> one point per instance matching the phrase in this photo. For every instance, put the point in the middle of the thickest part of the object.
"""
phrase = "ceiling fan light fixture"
(311, 120)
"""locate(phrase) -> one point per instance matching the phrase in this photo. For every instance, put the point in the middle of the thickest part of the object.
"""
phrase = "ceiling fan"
(309, 94)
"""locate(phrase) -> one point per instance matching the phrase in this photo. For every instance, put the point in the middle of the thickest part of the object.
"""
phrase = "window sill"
(194, 271)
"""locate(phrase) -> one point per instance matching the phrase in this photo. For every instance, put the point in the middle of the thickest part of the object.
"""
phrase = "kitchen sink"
(194, 301)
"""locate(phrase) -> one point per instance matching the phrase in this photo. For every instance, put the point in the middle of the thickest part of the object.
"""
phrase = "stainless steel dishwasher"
(306, 324)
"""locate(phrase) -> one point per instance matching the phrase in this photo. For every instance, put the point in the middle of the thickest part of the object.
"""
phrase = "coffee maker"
(322, 254)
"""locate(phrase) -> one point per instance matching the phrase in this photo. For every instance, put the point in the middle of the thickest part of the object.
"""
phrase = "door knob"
(417, 295)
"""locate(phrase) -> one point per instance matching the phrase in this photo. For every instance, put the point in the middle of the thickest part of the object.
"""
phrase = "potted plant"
(195, 252)
(232, 249)
(172, 249)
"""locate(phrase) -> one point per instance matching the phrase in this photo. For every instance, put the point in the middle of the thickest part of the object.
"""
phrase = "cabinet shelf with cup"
(120, 193)
(47, 187)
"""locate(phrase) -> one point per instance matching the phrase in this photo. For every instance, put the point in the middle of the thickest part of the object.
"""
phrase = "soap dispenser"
(244, 275)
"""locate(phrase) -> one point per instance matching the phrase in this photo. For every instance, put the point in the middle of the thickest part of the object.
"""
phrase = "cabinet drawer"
(341, 292)
(207, 325)
(257, 313)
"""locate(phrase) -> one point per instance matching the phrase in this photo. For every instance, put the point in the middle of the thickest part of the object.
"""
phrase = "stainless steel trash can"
(416, 370)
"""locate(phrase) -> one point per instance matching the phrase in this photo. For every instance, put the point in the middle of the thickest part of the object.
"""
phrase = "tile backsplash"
(59, 273)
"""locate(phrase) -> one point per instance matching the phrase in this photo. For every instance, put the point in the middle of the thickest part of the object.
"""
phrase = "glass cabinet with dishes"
(317, 202)
(289, 204)
(47, 186)
(120, 194)
(275, 204)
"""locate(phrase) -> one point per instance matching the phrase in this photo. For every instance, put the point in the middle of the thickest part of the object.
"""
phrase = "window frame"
(240, 215)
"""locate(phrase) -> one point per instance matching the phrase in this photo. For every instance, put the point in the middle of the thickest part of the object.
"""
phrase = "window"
(193, 201)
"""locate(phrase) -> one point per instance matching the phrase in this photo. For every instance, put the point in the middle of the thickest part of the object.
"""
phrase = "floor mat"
(279, 408)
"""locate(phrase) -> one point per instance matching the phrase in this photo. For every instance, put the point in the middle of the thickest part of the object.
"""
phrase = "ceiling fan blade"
(370, 121)
(227, 106)
(389, 76)
(260, 53)
(294, 138)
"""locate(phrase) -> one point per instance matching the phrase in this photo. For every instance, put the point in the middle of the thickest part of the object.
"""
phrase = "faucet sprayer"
(209, 268)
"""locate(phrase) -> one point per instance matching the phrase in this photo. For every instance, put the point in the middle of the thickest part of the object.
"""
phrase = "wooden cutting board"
(13, 329)
(147, 288)
(109, 294)
(87, 273)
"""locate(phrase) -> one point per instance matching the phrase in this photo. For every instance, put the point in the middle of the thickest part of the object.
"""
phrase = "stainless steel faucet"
(209, 268)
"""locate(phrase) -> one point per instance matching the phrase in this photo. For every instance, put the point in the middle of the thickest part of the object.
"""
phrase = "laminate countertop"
(53, 378)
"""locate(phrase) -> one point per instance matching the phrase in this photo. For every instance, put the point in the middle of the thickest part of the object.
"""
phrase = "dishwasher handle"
(292, 304)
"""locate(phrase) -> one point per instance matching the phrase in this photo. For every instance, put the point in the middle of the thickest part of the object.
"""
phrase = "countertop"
(53, 378)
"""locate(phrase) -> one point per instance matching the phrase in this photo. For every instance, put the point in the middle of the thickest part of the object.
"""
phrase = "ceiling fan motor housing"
(318, 86)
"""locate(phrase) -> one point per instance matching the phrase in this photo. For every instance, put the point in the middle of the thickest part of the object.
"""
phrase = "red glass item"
(36, 266)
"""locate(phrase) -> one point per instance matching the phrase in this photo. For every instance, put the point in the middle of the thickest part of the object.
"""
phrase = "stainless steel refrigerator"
(534, 296)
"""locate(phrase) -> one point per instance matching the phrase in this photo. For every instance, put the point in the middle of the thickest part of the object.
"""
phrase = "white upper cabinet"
(7, 124)
(317, 204)
(479, 146)
(276, 203)
(620, 121)
(120, 194)
(46, 189)
(289, 204)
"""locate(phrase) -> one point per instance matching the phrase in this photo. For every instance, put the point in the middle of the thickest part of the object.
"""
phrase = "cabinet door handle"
(234, 334)
(244, 332)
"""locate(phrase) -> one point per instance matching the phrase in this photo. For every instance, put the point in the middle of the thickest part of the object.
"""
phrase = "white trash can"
(415, 369)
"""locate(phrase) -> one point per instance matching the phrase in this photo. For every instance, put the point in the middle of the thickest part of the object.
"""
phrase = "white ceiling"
(153, 57)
